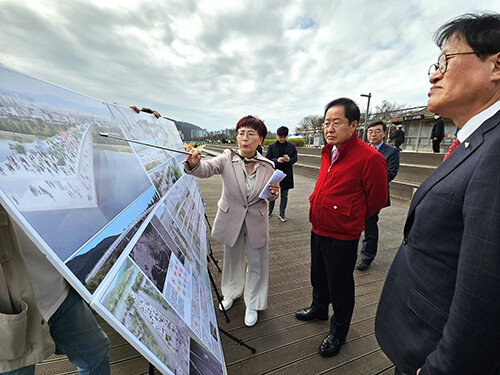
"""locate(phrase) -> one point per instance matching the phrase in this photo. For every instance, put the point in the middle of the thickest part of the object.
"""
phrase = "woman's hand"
(194, 159)
(275, 189)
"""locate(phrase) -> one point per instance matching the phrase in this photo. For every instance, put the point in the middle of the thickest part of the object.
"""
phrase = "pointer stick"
(146, 144)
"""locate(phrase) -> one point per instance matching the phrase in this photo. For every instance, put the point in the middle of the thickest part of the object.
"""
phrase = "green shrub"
(298, 142)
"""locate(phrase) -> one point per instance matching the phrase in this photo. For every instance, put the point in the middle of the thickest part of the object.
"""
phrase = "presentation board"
(120, 221)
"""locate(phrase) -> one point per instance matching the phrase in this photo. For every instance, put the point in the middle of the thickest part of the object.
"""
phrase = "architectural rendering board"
(120, 221)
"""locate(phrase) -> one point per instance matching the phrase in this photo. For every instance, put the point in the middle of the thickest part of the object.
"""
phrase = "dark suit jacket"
(438, 129)
(398, 135)
(440, 305)
(291, 151)
(391, 155)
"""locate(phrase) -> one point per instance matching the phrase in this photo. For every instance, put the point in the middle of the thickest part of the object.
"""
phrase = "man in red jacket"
(351, 186)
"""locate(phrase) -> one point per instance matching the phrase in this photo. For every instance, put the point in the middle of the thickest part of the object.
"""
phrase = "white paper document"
(275, 179)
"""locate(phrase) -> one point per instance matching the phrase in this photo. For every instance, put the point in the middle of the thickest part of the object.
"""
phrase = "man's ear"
(495, 73)
(354, 125)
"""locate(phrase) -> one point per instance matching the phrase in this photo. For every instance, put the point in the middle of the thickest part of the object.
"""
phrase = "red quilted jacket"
(348, 190)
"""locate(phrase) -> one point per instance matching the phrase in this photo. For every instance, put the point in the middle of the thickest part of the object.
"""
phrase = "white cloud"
(211, 63)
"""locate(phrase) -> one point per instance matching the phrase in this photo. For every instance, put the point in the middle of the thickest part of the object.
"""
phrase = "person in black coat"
(284, 155)
(437, 133)
(376, 133)
(398, 136)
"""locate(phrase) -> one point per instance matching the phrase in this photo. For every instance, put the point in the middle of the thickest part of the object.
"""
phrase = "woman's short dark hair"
(351, 109)
(481, 31)
(252, 122)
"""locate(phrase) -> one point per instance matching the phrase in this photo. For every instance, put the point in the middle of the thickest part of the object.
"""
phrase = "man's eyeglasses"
(249, 134)
(335, 124)
(376, 131)
(442, 64)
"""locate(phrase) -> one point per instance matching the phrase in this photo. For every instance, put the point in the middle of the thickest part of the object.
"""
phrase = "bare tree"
(362, 119)
(385, 111)
(312, 123)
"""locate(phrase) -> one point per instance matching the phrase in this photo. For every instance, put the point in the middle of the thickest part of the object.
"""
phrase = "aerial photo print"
(120, 221)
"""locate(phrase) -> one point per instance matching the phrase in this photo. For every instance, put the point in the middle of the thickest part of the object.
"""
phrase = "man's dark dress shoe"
(310, 314)
(363, 265)
(331, 346)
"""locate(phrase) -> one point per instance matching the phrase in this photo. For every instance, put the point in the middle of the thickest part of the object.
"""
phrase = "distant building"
(226, 132)
(198, 133)
(417, 127)
(189, 131)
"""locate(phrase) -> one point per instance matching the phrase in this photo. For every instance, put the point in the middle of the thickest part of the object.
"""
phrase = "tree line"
(384, 112)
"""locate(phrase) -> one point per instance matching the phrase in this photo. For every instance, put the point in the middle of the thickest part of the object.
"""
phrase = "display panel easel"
(120, 222)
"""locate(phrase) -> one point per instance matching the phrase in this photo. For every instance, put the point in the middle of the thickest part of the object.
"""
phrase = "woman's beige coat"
(233, 206)
(24, 335)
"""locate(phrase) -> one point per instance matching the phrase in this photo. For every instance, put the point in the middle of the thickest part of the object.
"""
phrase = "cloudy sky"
(210, 62)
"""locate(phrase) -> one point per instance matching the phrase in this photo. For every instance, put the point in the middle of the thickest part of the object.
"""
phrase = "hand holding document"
(275, 179)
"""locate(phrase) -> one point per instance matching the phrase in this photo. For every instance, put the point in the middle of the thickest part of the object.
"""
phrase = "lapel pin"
(467, 144)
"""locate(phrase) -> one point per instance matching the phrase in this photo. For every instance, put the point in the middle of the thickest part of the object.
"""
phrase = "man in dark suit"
(376, 133)
(437, 133)
(439, 312)
(284, 155)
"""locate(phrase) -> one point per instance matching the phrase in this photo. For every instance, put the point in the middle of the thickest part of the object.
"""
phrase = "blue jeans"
(283, 202)
(77, 335)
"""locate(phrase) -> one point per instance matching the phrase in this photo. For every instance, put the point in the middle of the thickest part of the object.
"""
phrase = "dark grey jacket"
(440, 306)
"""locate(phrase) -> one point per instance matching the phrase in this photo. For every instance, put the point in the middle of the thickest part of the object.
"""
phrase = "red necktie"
(452, 148)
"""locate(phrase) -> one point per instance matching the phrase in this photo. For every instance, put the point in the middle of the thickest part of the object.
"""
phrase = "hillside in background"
(186, 128)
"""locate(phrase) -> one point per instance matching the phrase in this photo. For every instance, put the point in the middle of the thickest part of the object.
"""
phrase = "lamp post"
(366, 116)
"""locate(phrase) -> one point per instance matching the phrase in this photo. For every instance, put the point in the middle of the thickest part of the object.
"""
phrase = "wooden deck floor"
(284, 344)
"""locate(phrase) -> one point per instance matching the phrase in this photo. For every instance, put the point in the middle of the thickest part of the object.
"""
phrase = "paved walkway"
(284, 344)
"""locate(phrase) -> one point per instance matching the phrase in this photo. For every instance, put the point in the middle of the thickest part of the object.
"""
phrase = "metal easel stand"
(237, 340)
(219, 298)
(210, 253)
